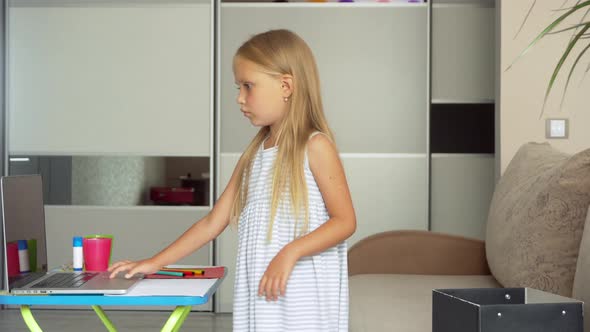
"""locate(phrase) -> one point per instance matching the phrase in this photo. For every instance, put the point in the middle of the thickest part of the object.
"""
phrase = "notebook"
(23, 218)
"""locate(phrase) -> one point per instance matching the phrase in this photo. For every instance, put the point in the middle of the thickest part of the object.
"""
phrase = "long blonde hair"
(282, 52)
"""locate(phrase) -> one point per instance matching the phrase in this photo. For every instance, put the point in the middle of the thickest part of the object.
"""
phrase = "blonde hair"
(282, 52)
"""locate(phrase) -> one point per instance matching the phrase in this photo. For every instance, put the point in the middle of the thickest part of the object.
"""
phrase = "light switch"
(556, 128)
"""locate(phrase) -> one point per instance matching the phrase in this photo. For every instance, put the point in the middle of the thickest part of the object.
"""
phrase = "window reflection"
(118, 180)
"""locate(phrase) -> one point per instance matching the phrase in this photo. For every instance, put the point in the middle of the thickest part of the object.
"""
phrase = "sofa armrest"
(417, 252)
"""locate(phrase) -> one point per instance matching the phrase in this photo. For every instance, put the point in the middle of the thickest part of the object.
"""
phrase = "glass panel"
(462, 186)
(102, 77)
(463, 50)
(372, 64)
(388, 193)
(118, 180)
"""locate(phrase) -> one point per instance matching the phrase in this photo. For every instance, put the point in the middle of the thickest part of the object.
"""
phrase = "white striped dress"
(316, 296)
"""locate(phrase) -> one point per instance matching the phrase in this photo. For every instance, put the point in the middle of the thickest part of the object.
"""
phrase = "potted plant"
(580, 36)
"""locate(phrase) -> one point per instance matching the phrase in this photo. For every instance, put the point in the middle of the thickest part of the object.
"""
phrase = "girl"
(289, 195)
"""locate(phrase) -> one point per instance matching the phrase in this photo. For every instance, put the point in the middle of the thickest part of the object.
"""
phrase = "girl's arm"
(199, 234)
(328, 172)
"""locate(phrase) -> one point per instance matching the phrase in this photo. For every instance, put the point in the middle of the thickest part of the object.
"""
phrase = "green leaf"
(560, 64)
(570, 28)
(581, 21)
(527, 17)
(569, 76)
(549, 28)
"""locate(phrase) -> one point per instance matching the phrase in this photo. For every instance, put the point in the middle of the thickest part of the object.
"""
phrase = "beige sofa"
(535, 237)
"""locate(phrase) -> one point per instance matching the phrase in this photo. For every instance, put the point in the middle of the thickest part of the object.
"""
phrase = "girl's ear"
(287, 85)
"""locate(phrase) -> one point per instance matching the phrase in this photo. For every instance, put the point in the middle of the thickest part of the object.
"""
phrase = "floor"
(86, 320)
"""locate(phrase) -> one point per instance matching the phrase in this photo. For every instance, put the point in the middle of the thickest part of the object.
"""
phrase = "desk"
(183, 305)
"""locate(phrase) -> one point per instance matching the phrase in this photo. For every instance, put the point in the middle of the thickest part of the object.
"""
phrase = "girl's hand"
(146, 266)
(274, 280)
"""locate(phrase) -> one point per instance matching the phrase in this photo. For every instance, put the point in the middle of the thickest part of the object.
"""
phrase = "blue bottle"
(78, 259)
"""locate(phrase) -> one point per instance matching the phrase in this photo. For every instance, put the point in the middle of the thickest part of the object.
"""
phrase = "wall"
(522, 88)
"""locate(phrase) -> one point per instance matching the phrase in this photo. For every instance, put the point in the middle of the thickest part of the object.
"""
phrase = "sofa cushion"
(536, 218)
(582, 279)
(401, 302)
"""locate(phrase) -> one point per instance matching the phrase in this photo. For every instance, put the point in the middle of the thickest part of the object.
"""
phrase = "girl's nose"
(240, 98)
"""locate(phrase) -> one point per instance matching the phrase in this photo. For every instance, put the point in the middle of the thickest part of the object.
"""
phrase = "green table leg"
(176, 319)
(173, 324)
(104, 318)
(187, 310)
(25, 311)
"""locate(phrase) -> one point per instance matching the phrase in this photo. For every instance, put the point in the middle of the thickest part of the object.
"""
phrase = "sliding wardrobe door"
(373, 70)
(109, 100)
(462, 115)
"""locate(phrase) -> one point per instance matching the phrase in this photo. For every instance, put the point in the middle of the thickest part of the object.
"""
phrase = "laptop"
(23, 218)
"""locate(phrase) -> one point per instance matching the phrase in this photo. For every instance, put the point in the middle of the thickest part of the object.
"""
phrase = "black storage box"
(504, 310)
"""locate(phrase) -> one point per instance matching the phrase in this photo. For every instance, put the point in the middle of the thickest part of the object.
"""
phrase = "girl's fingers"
(283, 285)
(268, 289)
(115, 271)
(117, 264)
(276, 288)
(120, 268)
(262, 286)
(132, 272)
(273, 287)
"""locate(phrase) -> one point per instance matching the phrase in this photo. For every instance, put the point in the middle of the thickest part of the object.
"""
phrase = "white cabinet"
(109, 77)
(104, 78)
(136, 78)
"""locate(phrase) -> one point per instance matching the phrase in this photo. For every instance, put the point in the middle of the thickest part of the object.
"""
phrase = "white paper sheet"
(171, 287)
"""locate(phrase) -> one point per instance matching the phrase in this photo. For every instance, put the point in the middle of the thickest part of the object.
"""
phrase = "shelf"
(463, 155)
(107, 3)
(463, 101)
(137, 207)
(463, 3)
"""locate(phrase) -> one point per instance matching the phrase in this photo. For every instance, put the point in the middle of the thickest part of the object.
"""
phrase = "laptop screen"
(24, 219)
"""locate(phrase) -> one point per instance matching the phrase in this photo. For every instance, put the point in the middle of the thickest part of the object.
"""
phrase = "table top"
(98, 299)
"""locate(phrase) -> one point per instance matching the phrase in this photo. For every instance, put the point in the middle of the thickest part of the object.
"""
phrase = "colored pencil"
(186, 273)
(170, 273)
(191, 271)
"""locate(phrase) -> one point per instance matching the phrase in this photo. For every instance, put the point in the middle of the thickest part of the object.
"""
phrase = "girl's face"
(261, 96)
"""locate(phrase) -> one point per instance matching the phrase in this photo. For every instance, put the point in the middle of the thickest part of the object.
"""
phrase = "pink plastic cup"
(97, 252)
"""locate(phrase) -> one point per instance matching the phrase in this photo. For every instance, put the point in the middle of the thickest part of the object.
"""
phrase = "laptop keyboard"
(24, 279)
(65, 280)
